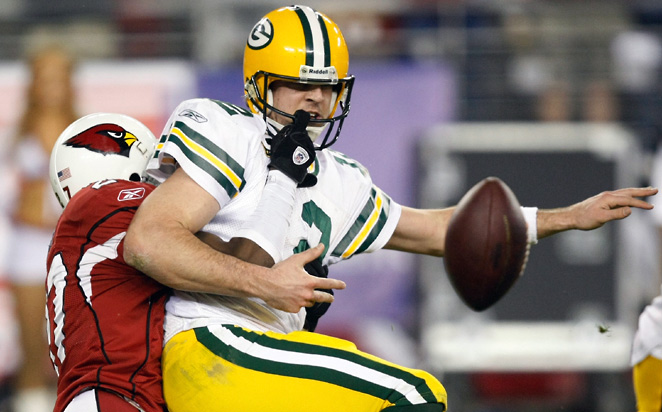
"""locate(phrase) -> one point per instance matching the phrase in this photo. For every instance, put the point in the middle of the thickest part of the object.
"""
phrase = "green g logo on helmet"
(261, 35)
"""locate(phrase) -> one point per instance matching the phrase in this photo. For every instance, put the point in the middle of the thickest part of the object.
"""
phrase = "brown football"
(486, 244)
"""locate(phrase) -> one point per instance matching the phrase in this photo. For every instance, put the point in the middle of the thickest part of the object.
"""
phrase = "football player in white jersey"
(646, 355)
(646, 358)
(237, 173)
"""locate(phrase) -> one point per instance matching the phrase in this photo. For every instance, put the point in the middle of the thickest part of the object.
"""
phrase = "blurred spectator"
(56, 11)
(599, 102)
(637, 58)
(9, 347)
(637, 62)
(49, 109)
(554, 103)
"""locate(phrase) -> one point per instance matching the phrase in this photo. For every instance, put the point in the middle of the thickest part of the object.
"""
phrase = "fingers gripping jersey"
(105, 319)
(222, 148)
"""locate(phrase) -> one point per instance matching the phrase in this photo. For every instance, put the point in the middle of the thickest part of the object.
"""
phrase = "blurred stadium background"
(560, 98)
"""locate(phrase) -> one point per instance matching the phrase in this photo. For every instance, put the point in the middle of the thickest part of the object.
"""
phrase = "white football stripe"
(57, 279)
(93, 256)
(322, 361)
(318, 39)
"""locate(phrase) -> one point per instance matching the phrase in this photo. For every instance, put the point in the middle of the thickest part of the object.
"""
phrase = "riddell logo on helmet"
(317, 71)
(323, 73)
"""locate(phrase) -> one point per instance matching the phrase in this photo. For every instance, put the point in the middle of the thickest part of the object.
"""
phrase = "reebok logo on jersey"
(193, 115)
(131, 194)
(300, 156)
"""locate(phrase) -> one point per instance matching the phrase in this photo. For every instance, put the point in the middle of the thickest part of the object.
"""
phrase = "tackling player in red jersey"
(105, 319)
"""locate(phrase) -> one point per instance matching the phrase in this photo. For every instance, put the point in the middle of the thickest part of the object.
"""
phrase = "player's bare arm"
(239, 247)
(594, 212)
(421, 231)
(249, 251)
(181, 261)
(424, 230)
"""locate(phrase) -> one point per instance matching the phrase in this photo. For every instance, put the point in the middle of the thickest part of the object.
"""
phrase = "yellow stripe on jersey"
(201, 151)
(366, 228)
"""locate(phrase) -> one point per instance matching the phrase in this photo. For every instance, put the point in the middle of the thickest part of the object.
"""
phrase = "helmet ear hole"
(135, 177)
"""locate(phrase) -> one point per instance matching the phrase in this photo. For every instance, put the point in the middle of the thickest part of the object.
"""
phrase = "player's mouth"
(315, 116)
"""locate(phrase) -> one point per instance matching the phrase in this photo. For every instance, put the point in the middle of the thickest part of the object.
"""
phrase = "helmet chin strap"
(315, 131)
(274, 124)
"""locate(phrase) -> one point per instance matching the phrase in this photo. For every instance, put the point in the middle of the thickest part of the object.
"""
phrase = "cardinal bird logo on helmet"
(104, 138)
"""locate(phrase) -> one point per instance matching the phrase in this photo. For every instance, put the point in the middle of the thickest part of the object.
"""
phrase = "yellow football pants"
(227, 368)
(647, 378)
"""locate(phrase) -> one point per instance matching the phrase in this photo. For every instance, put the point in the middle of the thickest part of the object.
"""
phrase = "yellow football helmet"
(297, 43)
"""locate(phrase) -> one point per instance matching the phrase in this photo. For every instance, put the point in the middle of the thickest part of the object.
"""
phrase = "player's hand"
(289, 287)
(315, 312)
(292, 151)
(595, 211)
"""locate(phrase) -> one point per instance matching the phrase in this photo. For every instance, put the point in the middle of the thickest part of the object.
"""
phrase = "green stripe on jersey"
(376, 230)
(344, 160)
(334, 366)
(358, 227)
(232, 109)
(209, 157)
(159, 145)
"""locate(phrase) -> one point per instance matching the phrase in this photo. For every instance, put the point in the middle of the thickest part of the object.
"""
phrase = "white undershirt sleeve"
(268, 224)
(531, 218)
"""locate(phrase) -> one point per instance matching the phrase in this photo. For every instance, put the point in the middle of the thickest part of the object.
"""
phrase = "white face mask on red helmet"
(96, 147)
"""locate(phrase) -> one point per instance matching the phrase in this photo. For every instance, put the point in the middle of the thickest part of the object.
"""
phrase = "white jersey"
(648, 339)
(221, 147)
